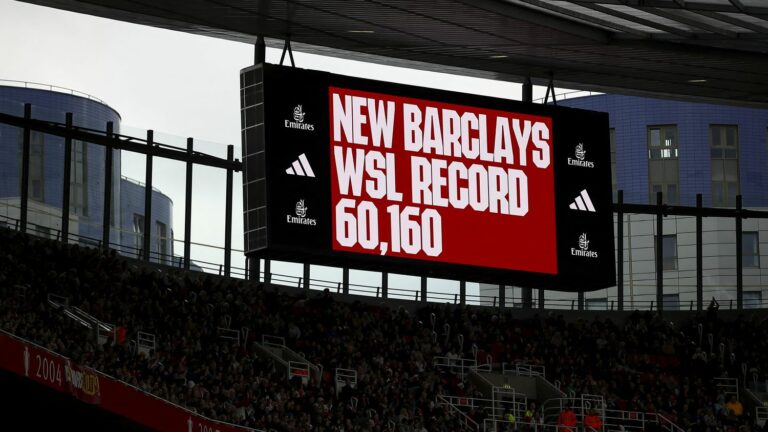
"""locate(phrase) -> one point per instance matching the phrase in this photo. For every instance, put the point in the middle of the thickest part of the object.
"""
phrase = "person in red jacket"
(593, 422)
(566, 421)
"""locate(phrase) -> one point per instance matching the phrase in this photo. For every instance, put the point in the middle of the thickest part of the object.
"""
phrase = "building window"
(750, 249)
(752, 299)
(669, 252)
(36, 188)
(724, 152)
(162, 242)
(138, 234)
(78, 201)
(612, 140)
(662, 163)
(597, 304)
(671, 302)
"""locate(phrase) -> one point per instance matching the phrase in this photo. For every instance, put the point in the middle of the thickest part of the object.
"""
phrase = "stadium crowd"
(644, 364)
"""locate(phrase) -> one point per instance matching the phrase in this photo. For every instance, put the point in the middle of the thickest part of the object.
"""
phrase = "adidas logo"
(301, 167)
(583, 202)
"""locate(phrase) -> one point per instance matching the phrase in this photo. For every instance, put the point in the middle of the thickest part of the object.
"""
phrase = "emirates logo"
(580, 152)
(298, 114)
(301, 209)
(583, 242)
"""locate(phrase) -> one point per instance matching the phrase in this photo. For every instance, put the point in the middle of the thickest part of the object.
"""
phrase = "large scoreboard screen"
(380, 176)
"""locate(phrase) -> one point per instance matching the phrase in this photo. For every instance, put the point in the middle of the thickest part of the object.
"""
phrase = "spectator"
(566, 421)
(734, 407)
(593, 422)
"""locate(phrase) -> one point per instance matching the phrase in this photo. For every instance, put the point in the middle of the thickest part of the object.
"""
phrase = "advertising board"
(382, 176)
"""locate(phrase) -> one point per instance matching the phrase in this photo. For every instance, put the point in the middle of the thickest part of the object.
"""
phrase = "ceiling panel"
(649, 47)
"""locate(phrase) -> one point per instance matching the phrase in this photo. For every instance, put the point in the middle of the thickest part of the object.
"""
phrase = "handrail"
(367, 290)
(465, 420)
(50, 87)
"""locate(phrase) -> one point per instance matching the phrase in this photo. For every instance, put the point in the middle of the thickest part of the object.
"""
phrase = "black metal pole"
(107, 217)
(659, 253)
(620, 248)
(254, 269)
(526, 293)
(699, 259)
(25, 170)
(146, 235)
(542, 298)
(67, 182)
(581, 300)
(462, 292)
(267, 271)
(228, 210)
(306, 275)
(384, 285)
(527, 297)
(528, 90)
(345, 280)
(423, 288)
(188, 208)
(502, 296)
(739, 257)
(259, 51)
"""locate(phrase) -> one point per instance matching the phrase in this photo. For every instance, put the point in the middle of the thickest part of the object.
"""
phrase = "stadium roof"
(691, 49)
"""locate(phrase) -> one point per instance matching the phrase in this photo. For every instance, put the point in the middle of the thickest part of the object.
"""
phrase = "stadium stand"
(274, 359)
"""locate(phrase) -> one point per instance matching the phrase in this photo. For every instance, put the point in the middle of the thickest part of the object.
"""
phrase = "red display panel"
(428, 180)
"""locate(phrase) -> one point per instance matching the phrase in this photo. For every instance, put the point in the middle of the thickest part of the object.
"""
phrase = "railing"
(49, 87)
(612, 419)
(345, 377)
(145, 343)
(461, 365)
(466, 422)
(569, 95)
(228, 334)
(512, 301)
(761, 414)
(523, 369)
(727, 386)
(358, 289)
(666, 424)
(139, 183)
(58, 301)
(273, 341)
(300, 370)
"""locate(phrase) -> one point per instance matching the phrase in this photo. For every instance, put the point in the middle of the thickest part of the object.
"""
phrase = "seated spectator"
(566, 421)
(734, 407)
(593, 422)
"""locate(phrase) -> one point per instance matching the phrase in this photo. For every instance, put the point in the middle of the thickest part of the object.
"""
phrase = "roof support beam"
(639, 20)
(517, 11)
(670, 15)
(735, 6)
(735, 21)
(739, 5)
(584, 17)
